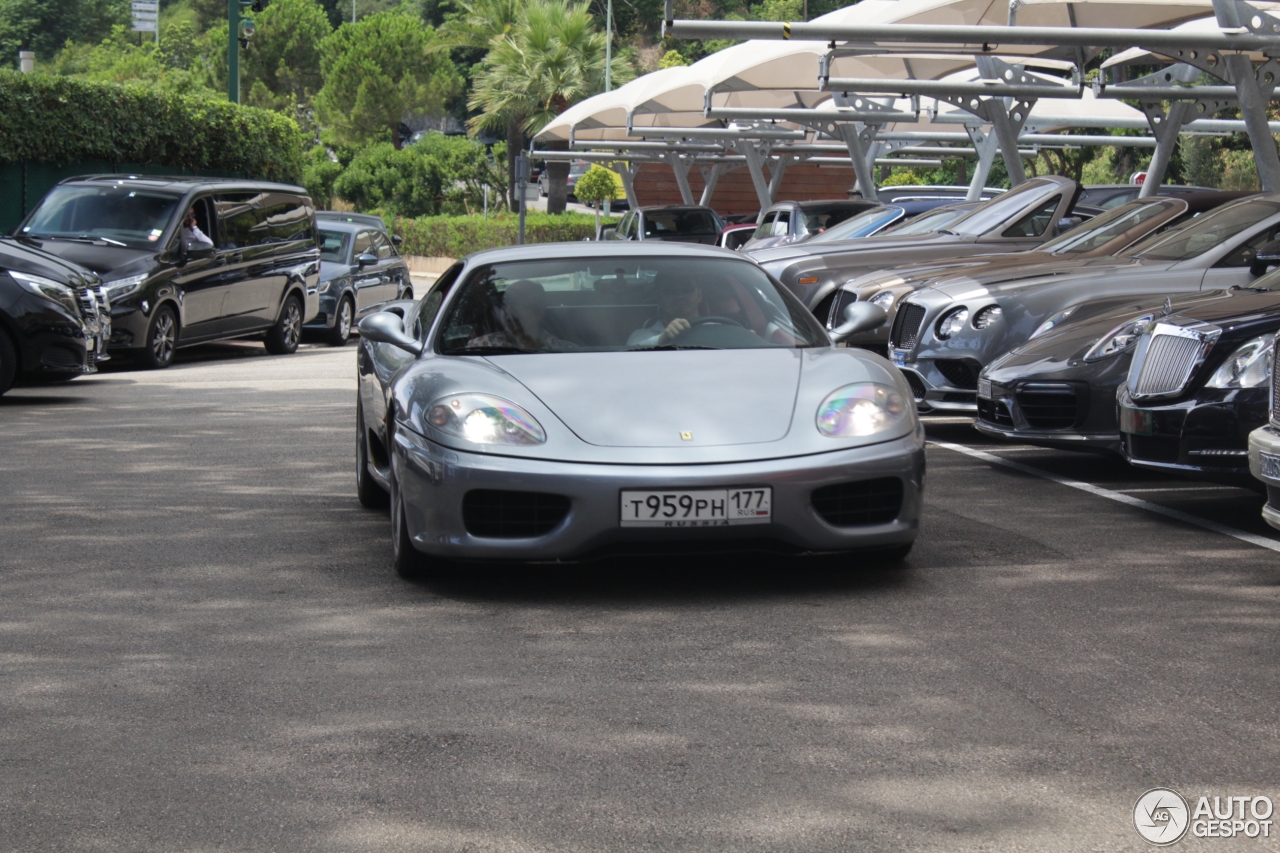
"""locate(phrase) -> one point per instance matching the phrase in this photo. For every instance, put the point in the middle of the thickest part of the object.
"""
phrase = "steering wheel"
(715, 319)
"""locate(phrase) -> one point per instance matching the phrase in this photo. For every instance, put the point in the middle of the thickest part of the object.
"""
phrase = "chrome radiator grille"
(1166, 362)
(1275, 386)
(906, 326)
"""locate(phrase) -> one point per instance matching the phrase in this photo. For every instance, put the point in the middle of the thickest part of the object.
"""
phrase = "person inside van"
(191, 235)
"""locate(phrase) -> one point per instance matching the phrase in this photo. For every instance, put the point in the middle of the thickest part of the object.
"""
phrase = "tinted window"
(1207, 231)
(382, 246)
(1036, 222)
(865, 223)
(816, 221)
(1242, 255)
(136, 218)
(996, 213)
(1097, 232)
(282, 221)
(364, 244)
(660, 223)
(333, 245)
(928, 222)
(429, 306)
(619, 304)
(259, 219)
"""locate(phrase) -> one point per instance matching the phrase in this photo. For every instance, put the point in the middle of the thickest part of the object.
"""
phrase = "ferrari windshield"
(1114, 223)
(602, 304)
(1206, 231)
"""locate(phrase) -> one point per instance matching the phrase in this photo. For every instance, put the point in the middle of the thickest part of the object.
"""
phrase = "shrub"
(439, 175)
(456, 236)
(59, 120)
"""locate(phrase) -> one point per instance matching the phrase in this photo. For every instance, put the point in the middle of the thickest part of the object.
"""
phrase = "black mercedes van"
(249, 267)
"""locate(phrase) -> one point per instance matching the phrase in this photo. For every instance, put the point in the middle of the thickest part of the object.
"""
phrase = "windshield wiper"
(667, 348)
(490, 351)
(82, 238)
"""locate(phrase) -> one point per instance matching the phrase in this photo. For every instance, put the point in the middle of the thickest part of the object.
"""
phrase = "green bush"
(439, 175)
(60, 120)
(456, 236)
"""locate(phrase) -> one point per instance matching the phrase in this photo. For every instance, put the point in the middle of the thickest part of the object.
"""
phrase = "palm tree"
(551, 59)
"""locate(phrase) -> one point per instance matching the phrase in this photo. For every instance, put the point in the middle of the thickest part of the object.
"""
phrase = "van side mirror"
(366, 259)
(1268, 255)
(388, 328)
(859, 317)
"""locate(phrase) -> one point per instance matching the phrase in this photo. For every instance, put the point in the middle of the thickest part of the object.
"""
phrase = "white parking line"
(1118, 497)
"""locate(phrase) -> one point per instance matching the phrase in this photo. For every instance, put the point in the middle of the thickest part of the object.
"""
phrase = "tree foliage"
(62, 120)
(378, 70)
(44, 26)
(598, 184)
(440, 174)
(284, 55)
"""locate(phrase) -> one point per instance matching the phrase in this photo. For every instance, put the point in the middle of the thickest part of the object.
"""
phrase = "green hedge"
(61, 120)
(456, 236)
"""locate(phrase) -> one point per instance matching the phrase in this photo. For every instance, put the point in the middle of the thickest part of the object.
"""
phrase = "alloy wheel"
(344, 319)
(163, 338)
(292, 325)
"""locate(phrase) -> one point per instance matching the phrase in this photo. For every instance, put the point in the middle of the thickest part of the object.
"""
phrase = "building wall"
(655, 183)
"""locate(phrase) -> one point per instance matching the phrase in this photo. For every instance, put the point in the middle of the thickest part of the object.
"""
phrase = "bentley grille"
(906, 326)
(1167, 367)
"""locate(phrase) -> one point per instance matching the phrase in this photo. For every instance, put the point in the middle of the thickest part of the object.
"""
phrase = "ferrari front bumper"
(434, 480)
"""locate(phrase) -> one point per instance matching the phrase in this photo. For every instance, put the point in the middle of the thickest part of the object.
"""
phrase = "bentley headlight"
(123, 287)
(987, 316)
(952, 323)
(1052, 323)
(1248, 367)
(48, 288)
(1119, 339)
(482, 419)
(864, 408)
(883, 299)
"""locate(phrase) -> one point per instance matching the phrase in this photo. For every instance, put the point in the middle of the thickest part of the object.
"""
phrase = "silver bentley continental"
(569, 401)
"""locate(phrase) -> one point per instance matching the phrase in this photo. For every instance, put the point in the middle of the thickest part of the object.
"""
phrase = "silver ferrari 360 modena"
(566, 401)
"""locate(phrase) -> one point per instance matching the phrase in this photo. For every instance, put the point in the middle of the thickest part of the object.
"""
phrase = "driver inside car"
(523, 312)
(679, 303)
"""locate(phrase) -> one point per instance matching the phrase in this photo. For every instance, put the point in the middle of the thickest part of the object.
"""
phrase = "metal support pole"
(681, 169)
(987, 145)
(1007, 135)
(233, 51)
(1167, 134)
(1253, 109)
(755, 166)
(709, 179)
(776, 170)
(522, 182)
(628, 175)
(858, 154)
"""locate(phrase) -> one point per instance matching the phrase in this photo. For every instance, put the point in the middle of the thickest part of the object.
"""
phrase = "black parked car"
(1199, 382)
(188, 260)
(677, 223)
(49, 320)
(359, 268)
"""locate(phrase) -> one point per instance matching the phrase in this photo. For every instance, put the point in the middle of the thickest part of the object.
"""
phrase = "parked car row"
(142, 266)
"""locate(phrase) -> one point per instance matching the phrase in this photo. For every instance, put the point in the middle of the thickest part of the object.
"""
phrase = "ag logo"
(1161, 816)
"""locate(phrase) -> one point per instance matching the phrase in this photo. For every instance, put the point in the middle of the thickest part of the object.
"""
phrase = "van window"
(258, 219)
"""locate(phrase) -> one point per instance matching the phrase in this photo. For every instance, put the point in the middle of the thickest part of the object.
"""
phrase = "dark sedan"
(359, 269)
(679, 223)
(1199, 383)
(49, 318)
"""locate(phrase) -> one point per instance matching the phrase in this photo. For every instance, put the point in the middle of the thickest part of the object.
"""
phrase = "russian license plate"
(898, 357)
(1135, 421)
(697, 508)
(1269, 465)
(984, 389)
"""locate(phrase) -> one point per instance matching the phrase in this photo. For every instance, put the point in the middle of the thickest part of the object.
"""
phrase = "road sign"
(145, 16)
(145, 6)
(145, 26)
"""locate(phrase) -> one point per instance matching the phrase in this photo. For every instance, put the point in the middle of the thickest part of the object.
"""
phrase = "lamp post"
(240, 28)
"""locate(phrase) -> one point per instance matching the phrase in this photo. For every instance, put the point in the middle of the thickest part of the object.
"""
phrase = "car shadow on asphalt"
(14, 400)
(642, 581)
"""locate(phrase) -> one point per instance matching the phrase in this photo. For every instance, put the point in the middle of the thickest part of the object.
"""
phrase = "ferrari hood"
(655, 399)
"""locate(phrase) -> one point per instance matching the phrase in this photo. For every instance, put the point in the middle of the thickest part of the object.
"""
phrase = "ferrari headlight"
(952, 323)
(123, 287)
(48, 288)
(1119, 339)
(883, 299)
(987, 316)
(864, 408)
(1052, 323)
(482, 419)
(1248, 367)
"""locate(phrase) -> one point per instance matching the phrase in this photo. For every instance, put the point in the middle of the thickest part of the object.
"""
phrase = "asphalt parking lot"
(204, 648)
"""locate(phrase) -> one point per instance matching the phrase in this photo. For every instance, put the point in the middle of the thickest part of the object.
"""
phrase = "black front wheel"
(162, 339)
(410, 563)
(342, 320)
(283, 337)
(371, 495)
